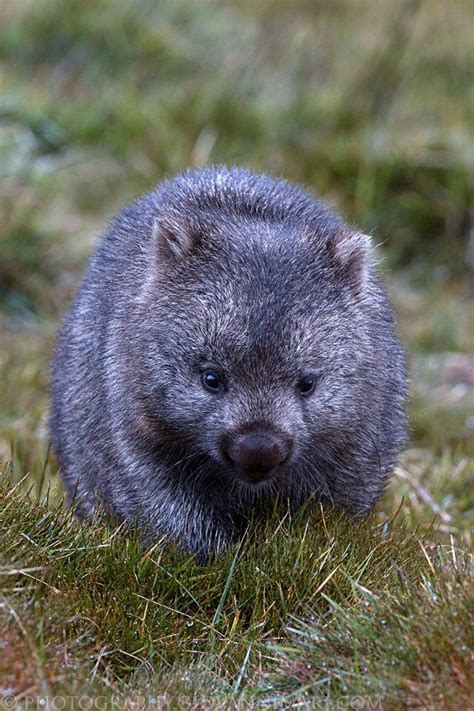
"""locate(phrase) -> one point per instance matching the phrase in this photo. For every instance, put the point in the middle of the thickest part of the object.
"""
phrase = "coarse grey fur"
(257, 279)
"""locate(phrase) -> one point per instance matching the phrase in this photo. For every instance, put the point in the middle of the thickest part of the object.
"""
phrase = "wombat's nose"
(256, 453)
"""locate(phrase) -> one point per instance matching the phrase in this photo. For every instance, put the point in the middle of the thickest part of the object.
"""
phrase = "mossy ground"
(369, 103)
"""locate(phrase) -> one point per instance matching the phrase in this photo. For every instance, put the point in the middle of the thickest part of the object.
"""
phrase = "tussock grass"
(92, 595)
(390, 648)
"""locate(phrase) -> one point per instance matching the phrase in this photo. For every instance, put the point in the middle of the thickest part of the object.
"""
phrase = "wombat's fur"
(254, 283)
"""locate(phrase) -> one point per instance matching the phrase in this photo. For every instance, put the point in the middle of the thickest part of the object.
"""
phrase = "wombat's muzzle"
(256, 453)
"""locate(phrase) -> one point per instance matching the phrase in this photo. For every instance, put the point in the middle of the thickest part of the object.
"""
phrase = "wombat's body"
(230, 343)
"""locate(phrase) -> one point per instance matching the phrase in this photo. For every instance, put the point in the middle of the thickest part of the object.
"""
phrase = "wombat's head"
(257, 303)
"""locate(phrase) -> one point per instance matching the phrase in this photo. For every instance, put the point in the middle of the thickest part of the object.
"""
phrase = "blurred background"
(370, 103)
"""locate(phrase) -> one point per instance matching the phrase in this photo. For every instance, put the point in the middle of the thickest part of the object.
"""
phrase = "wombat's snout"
(256, 452)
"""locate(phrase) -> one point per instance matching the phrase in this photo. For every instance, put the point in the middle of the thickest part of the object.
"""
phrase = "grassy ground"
(371, 104)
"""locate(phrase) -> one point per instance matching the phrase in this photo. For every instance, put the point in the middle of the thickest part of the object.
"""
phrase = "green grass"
(353, 601)
(389, 649)
(370, 104)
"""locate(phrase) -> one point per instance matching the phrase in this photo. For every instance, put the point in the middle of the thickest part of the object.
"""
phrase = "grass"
(369, 103)
(391, 648)
(374, 596)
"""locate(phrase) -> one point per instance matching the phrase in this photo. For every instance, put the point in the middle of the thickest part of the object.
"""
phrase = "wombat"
(230, 346)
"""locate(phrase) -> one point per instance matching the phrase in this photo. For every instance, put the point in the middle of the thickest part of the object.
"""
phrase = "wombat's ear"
(352, 252)
(174, 235)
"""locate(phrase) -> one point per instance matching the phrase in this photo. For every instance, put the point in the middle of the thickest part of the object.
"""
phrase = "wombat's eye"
(307, 385)
(211, 381)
